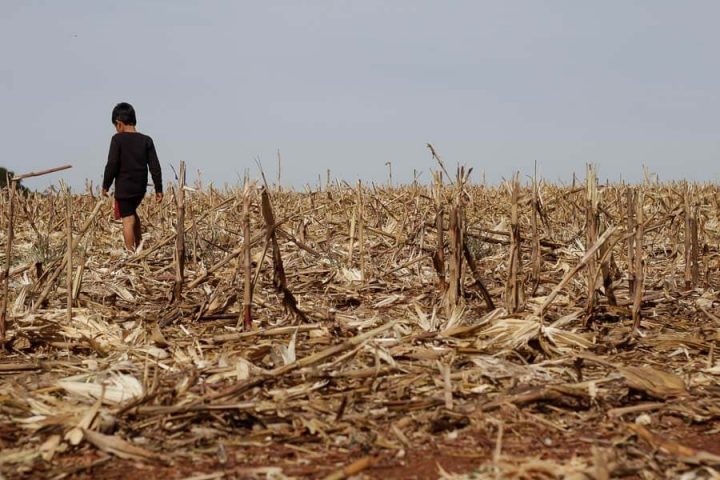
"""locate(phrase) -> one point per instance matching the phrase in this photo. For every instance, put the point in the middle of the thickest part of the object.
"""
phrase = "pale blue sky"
(350, 85)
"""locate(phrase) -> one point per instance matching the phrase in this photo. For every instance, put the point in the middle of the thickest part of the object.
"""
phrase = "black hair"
(124, 112)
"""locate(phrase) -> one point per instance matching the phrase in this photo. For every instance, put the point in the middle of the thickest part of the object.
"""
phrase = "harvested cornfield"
(452, 330)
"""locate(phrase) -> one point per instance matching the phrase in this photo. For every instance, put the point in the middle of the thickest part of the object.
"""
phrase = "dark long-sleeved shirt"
(130, 156)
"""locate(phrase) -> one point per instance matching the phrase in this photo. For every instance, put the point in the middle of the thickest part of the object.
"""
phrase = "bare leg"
(129, 232)
(137, 231)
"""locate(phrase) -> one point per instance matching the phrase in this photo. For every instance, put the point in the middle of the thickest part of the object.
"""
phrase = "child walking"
(131, 155)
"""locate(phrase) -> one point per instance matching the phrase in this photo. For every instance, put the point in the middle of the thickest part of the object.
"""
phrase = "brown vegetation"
(530, 331)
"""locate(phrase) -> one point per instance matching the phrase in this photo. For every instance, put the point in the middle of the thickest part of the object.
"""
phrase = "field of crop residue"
(452, 330)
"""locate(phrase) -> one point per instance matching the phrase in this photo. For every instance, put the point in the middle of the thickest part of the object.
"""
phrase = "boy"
(131, 154)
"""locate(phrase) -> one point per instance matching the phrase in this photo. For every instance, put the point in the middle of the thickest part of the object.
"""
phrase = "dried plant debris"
(444, 331)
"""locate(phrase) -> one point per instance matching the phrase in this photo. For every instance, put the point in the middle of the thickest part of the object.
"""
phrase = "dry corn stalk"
(514, 285)
(592, 231)
(180, 236)
(321, 388)
(639, 267)
(279, 279)
(247, 263)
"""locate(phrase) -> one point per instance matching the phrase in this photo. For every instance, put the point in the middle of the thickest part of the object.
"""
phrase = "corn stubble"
(362, 321)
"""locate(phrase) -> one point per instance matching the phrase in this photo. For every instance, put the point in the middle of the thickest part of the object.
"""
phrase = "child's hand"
(159, 196)
(104, 193)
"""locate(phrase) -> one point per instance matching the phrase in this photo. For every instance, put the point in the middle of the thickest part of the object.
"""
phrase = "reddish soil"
(471, 448)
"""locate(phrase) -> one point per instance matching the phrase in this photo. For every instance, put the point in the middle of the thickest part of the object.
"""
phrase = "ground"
(377, 347)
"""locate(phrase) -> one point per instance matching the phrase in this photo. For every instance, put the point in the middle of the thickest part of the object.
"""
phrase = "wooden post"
(8, 257)
(180, 235)
(69, 273)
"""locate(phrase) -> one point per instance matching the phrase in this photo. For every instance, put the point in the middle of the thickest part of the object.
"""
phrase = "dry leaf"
(117, 446)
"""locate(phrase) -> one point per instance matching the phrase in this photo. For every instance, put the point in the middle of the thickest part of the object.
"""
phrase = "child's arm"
(112, 167)
(154, 165)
